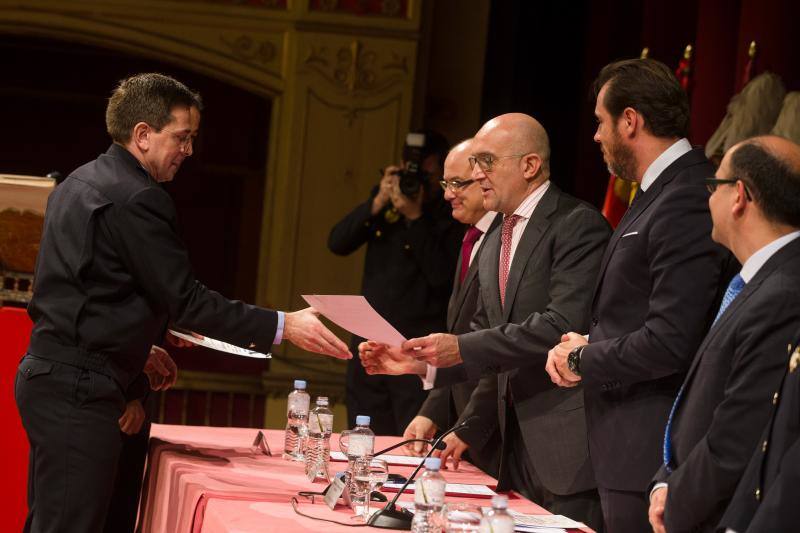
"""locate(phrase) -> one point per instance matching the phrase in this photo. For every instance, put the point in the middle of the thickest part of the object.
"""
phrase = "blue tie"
(734, 288)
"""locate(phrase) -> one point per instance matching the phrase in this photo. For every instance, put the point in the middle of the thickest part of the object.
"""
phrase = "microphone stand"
(409, 441)
(390, 517)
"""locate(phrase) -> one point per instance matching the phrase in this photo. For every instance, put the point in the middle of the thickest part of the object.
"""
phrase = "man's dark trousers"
(71, 416)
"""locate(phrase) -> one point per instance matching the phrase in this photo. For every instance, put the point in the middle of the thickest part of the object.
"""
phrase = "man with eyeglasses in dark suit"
(719, 412)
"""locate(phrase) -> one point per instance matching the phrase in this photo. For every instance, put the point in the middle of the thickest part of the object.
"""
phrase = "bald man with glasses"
(534, 268)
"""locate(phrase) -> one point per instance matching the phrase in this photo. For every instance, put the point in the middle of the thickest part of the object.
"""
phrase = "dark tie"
(470, 238)
(734, 288)
(505, 253)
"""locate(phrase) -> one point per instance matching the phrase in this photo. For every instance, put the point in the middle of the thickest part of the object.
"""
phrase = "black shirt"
(409, 265)
(112, 273)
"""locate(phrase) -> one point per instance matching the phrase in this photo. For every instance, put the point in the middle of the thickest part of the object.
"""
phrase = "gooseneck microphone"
(390, 517)
(434, 444)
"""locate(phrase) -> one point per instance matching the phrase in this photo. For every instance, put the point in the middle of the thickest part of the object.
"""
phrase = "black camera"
(413, 177)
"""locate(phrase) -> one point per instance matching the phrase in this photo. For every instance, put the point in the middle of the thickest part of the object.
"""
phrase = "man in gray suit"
(447, 406)
(534, 269)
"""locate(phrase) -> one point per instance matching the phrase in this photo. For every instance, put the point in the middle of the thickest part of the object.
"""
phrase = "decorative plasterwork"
(357, 69)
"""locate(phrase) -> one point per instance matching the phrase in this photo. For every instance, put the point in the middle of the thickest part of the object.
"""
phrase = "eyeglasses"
(455, 185)
(487, 161)
(184, 140)
(713, 183)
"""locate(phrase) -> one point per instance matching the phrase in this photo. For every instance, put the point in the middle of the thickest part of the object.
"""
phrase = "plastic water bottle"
(361, 443)
(498, 520)
(429, 490)
(318, 444)
(296, 421)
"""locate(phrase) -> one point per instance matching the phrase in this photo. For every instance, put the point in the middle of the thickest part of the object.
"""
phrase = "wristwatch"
(574, 360)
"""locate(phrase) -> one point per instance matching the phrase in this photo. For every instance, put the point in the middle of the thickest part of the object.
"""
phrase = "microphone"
(439, 446)
(390, 517)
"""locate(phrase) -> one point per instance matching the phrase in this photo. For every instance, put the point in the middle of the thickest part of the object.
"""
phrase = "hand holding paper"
(437, 349)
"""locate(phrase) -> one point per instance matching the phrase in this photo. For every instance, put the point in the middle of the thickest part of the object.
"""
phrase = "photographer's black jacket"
(112, 273)
(409, 267)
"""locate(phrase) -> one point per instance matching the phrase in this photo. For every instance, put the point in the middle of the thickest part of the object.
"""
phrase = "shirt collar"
(525, 209)
(754, 263)
(486, 221)
(667, 157)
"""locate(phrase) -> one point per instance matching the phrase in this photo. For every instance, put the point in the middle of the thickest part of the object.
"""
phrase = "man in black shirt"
(412, 245)
(110, 276)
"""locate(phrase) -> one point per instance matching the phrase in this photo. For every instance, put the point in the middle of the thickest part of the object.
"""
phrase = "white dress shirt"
(660, 164)
(757, 260)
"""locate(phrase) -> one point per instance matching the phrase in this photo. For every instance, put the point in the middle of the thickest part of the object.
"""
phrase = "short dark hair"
(649, 87)
(772, 183)
(149, 98)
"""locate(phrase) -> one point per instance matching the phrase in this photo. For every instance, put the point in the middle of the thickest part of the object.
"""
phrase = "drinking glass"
(369, 474)
(462, 517)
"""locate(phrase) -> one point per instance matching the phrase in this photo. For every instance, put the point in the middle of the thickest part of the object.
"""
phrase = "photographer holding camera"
(412, 245)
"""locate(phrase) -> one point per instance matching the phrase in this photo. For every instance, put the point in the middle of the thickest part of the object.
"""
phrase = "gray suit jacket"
(548, 288)
(447, 406)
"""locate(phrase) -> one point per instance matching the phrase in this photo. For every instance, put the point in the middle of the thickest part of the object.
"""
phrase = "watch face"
(573, 360)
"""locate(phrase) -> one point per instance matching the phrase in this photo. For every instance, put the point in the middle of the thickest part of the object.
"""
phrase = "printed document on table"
(460, 489)
(398, 460)
(220, 346)
(543, 521)
(354, 314)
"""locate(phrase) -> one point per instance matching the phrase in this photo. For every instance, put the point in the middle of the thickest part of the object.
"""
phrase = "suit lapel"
(489, 275)
(787, 253)
(690, 158)
(534, 230)
(457, 295)
(461, 291)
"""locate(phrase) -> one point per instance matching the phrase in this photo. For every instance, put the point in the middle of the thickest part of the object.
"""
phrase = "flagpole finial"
(645, 53)
(751, 52)
(687, 52)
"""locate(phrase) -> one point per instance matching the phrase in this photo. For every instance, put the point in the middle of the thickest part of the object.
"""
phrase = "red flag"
(619, 194)
(750, 66)
(684, 70)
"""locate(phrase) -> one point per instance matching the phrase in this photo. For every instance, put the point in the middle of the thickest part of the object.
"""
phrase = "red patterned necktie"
(470, 238)
(505, 253)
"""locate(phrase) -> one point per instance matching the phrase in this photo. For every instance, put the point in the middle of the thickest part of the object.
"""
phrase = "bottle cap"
(362, 420)
(433, 463)
(300, 384)
(499, 501)
(322, 400)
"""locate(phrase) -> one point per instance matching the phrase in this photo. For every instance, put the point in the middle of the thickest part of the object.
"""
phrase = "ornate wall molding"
(356, 68)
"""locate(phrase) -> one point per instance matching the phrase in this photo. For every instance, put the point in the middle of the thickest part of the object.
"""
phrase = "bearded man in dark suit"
(659, 286)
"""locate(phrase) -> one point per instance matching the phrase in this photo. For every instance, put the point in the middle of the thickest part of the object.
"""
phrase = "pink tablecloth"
(206, 480)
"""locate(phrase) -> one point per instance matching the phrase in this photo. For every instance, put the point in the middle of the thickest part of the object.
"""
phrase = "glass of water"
(462, 517)
(369, 474)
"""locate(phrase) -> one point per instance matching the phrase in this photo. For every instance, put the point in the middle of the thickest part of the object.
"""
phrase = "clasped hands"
(557, 367)
(441, 351)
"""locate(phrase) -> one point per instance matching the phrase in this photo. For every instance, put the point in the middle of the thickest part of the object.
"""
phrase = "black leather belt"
(72, 355)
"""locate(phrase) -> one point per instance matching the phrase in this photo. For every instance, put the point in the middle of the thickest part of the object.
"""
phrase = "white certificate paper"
(354, 314)
(220, 346)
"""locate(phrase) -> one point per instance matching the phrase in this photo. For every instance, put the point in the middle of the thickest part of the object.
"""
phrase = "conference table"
(211, 480)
